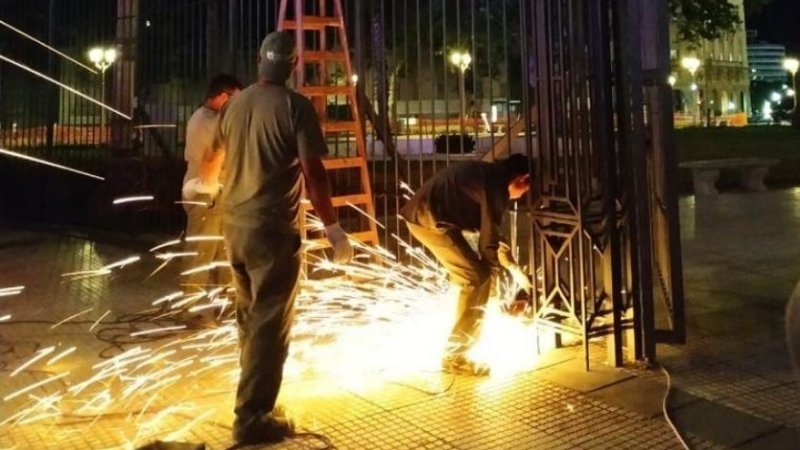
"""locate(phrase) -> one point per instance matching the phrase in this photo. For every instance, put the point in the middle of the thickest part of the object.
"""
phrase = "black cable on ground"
(426, 391)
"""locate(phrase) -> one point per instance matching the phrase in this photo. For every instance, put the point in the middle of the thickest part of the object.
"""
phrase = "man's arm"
(211, 166)
(311, 147)
(213, 155)
(318, 188)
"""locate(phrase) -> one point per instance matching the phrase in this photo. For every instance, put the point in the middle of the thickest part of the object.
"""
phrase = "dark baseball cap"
(277, 56)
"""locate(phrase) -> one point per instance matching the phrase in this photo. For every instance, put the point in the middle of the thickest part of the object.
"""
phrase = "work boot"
(275, 427)
(461, 365)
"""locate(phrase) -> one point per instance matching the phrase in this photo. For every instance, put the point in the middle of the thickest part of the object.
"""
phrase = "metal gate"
(578, 85)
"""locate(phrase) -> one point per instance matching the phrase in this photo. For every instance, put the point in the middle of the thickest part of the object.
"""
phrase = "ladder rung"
(318, 91)
(355, 199)
(318, 56)
(339, 126)
(363, 236)
(313, 23)
(342, 163)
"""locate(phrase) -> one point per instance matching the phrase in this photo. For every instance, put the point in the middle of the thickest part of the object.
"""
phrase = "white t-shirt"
(199, 136)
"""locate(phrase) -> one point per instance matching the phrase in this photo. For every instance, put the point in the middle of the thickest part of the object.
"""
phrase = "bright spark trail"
(48, 47)
(64, 86)
(380, 321)
(133, 199)
(48, 163)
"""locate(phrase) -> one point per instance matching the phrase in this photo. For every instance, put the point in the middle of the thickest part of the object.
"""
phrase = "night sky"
(779, 23)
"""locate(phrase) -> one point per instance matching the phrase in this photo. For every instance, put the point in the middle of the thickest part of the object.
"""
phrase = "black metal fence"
(564, 82)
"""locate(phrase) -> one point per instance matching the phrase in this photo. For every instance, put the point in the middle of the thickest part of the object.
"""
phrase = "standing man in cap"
(469, 196)
(271, 143)
(203, 216)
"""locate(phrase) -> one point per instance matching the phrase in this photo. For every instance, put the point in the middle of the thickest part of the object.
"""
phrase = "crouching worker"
(469, 196)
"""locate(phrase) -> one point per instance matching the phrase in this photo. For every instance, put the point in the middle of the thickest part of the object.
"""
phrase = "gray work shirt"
(265, 130)
(468, 195)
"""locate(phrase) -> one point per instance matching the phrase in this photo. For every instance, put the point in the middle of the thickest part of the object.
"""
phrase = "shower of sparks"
(206, 267)
(71, 317)
(138, 198)
(48, 163)
(100, 319)
(52, 49)
(34, 386)
(39, 355)
(166, 244)
(9, 291)
(199, 238)
(159, 330)
(105, 270)
(192, 202)
(64, 86)
(5, 318)
(172, 255)
(61, 355)
(381, 320)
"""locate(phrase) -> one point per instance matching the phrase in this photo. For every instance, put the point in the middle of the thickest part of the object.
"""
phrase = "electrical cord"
(117, 332)
(665, 411)
(426, 391)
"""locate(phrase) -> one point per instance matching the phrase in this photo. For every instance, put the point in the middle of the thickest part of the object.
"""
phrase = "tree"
(700, 20)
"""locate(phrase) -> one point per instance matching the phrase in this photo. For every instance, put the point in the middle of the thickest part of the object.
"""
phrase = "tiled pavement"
(733, 384)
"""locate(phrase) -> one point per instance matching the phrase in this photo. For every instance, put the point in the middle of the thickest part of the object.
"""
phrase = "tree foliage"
(699, 20)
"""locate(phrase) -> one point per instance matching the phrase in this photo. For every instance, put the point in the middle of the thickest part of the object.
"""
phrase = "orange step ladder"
(324, 73)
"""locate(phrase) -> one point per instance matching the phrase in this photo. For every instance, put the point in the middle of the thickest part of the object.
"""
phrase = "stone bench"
(706, 173)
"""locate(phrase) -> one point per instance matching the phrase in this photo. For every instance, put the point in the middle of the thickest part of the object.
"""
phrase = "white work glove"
(342, 250)
(520, 277)
(195, 187)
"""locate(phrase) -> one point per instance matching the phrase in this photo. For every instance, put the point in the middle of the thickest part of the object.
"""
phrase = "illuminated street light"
(691, 64)
(775, 97)
(792, 65)
(461, 60)
(103, 58)
(672, 80)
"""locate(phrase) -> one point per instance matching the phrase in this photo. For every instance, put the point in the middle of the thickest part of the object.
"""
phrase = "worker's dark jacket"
(469, 195)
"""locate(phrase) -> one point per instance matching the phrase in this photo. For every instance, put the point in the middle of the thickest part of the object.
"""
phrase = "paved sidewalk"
(733, 384)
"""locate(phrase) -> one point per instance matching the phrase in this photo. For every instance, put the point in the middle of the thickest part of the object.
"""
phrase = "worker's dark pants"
(266, 272)
(205, 221)
(468, 272)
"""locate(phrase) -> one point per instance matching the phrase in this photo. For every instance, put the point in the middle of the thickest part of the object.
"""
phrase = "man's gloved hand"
(195, 187)
(342, 250)
(520, 277)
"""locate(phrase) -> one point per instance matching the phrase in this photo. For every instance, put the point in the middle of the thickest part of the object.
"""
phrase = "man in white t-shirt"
(203, 216)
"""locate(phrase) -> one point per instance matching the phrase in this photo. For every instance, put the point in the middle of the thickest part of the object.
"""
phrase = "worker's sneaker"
(461, 365)
(273, 429)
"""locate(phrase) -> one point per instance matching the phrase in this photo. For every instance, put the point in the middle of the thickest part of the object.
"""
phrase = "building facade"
(766, 62)
(718, 93)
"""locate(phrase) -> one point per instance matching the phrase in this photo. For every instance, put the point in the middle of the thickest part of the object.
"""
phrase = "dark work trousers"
(266, 274)
(205, 221)
(468, 272)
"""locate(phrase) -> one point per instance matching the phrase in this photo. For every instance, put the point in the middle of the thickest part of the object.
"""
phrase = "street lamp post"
(462, 60)
(792, 65)
(692, 64)
(103, 58)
